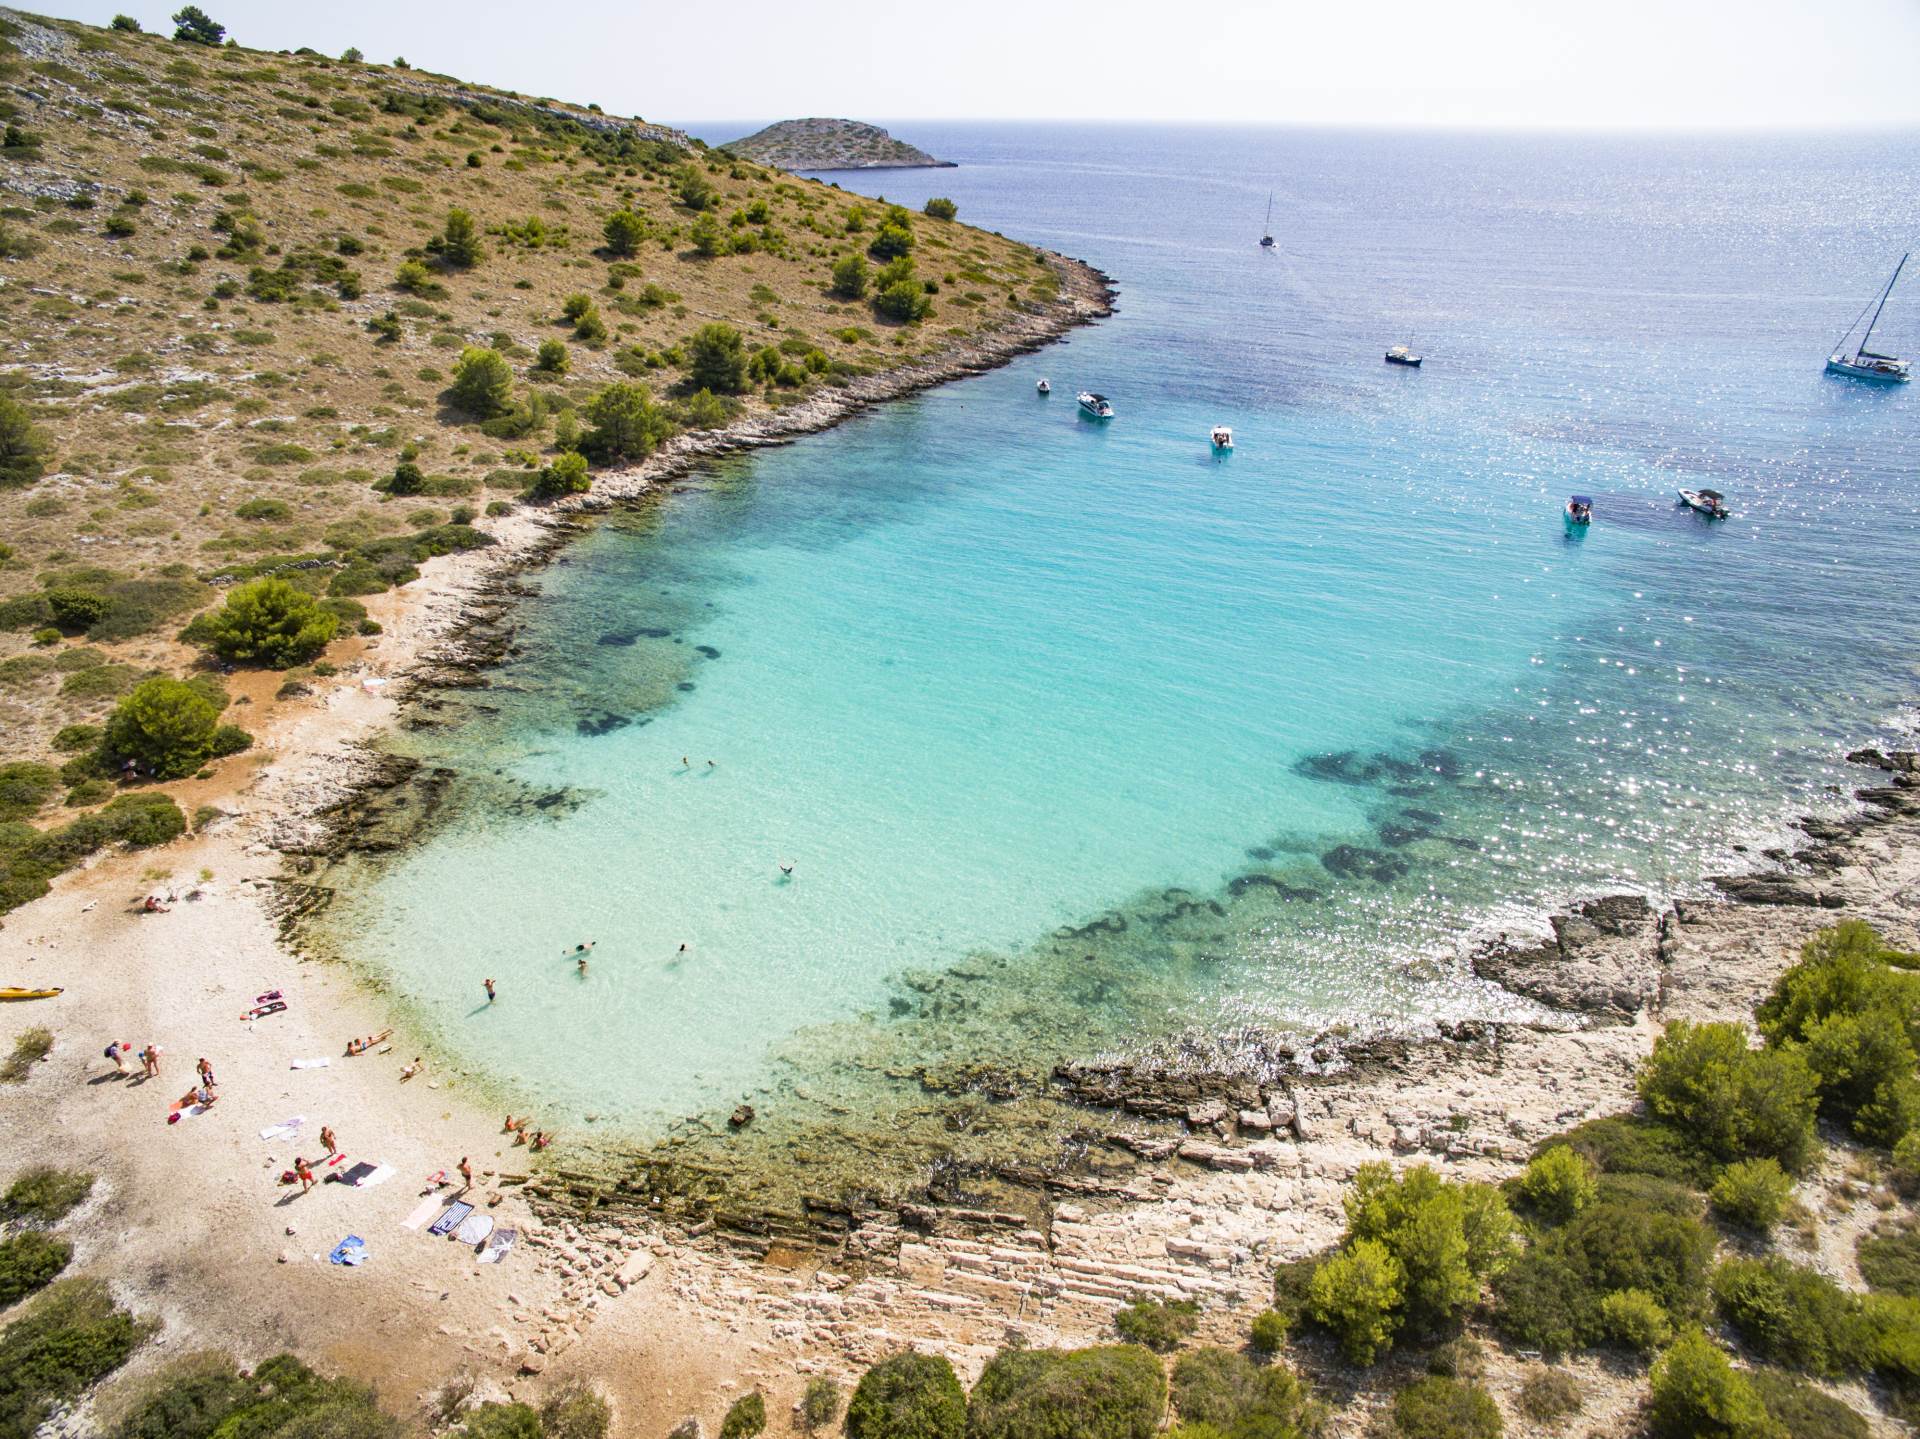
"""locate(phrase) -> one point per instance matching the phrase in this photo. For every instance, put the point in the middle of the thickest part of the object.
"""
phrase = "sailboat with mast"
(1266, 230)
(1865, 364)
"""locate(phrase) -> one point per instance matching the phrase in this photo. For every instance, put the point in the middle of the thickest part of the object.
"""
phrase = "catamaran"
(1266, 230)
(1865, 364)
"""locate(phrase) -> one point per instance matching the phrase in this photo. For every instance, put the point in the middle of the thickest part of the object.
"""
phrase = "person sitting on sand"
(514, 1126)
(540, 1140)
(152, 905)
(414, 1068)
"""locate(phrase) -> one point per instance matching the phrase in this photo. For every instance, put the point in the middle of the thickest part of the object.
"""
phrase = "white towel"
(284, 1128)
(311, 1063)
(424, 1211)
(379, 1176)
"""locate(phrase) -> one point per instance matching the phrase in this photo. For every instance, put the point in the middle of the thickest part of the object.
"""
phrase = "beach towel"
(456, 1215)
(284, 1128)
(310, 1063)
(498, 1246)
(351, 1250)
(336, 1159)
(354, 1175)
(422, 1212)
(268, 997)
(475, 1230)
(379, 1176)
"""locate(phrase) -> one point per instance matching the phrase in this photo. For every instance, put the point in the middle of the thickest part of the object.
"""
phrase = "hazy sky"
(1525, 63)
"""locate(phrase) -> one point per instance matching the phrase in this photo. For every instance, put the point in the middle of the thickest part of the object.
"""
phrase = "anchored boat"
(1095, 405)
(1403, 355)
(1865, 364)
(1222, 436)
(1710, 503)
(1045, 387)
(1578, 514)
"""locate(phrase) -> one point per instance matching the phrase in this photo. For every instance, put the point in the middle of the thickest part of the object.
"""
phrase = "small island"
(819, 144)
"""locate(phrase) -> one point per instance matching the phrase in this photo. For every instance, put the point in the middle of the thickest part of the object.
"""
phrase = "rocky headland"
(822, 144)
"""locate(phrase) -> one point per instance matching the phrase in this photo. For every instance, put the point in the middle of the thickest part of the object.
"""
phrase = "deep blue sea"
(1082, 739)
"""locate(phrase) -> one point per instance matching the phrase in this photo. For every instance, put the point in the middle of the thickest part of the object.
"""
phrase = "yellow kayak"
(15, 993)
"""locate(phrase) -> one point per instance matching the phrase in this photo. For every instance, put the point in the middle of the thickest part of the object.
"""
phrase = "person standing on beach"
(489, 984)
(117, 1052)
(303, 1172)
(205, 1071)
(466, 1174)
(327, 1140)
(150, 1060)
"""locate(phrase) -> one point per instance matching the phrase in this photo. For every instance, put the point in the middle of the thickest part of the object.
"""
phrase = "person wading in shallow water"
(489, 985)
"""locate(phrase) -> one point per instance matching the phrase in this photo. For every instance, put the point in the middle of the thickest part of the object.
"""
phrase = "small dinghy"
(1222, 436)
(1578, 514)
(1097, 406)
(1045, 387)
(1710, 503)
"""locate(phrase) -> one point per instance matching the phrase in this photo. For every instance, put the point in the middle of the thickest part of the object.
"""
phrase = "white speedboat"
(1097, 406)
(1710, 503)
(1578, 513)
(1045, 387)
(1865, 364)
(1222, 436)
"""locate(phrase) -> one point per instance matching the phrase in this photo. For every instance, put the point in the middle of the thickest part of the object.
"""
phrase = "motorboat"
(1097, 406)
(1222, 436)
(1403, 355)
(1710, 503)
(1865, 364)
(1045, 387)
(1578, 513)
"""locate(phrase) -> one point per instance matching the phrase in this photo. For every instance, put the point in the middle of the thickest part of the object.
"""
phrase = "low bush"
(500, 1421)
(270, 623)
(940, 208)
(1160, 1324)
(575, 1410)
(70, 1337)
(820, 1404)
(1696, 1394)
(1435, 1408)
(25, 787)
(717, 360)
(849, 277)
(1633, 1319)
(746, 1417)
(1548, 1395)
(1890, 1258)
(29, 1262)
(1733, 1101)
(47, 1194)
(1803, 1411)
(1558, 1183)
(908, 1396)
(482, 383)
(165, 727)
(1111, 1392)
(1793, 1316)
(1356, 1296)
(625, 424)
(1269, 1331)
(1240, 1399)
(30, 1046)
(1752, 1193)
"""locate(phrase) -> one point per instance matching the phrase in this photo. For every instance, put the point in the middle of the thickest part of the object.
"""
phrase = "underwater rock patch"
(708, 650)
(1354, 861)
(619, 638)
(593, 726)
(1240, 884)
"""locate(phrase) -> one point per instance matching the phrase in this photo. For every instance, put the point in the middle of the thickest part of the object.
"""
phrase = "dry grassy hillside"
(204, 313)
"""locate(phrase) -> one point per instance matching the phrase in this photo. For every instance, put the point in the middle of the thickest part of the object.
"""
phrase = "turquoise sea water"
(1083, 740)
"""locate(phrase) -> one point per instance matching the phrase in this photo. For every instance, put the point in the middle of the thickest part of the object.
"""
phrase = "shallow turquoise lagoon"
(1168, 749)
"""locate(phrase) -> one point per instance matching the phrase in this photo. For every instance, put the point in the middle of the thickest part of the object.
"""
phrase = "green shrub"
(1160, 1324)
(745, 1418)
(1696, 1394)
(1803, 1411)
(482, 383)
(268, 622)
(407, 479)
(1752, 1193)
(1558, 1183)
(30, 1046)
(820, 1404)
(143, 819)
(165, 727)
(76, 610)
(126, 23)
(24, 787)
(890, 242)
(1357, 1296)
(624, 232)
(1890, 1259)
(850, 277)
(1793, 1316)
(704, 410)
(29, 1262)
(69, 1338)
(194, 26)
(1240, 1399)
(625, 424)
(576, 305)
(941, 209)
(458, 244)
(500, 1421)
(1633, 1319)
(553, 358)
(1445, 1237)
(1735, 1102)
(908, 1396)
(905, 301)
(1269, 1333)
(1112, 1392)
(1435, 1408)
(416, 279)
(74, 737)
(575, 1410)
(717, 360)
(47, 1194)
(1904, 1171)
(1548, 1395)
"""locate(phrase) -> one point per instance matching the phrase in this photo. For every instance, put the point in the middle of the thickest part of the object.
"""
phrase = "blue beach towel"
(451, 1220)
(351, 1250)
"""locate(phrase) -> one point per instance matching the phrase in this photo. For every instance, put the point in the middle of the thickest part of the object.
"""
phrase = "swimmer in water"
(583, 966)
(786, 866)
